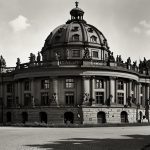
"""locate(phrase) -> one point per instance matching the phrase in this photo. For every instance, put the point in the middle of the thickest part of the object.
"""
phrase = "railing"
(71, 62)
(6, 69)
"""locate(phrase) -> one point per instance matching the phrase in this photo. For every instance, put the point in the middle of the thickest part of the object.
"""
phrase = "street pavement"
(98, 138)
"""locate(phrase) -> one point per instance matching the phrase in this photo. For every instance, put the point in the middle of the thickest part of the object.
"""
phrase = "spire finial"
(76, 3)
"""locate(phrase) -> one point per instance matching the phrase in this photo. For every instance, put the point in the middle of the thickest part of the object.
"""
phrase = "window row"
(76, 37)
(95, 54)
(45, 99)
(99, 98)
(70, 83)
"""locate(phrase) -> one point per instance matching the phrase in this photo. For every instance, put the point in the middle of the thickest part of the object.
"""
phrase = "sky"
(25, 24)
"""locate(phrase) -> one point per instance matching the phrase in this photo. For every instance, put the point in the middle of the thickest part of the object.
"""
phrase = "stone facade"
(76, 79)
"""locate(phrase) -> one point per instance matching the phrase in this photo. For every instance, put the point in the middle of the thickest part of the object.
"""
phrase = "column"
(125, 93)
(20, 98)
(137, 93)
(86, 90)
(54, 91)
(147, 91)
(92, 89)
(130, 88)
(32, 92)
(112, 89)
(144, 95)
(140, 94)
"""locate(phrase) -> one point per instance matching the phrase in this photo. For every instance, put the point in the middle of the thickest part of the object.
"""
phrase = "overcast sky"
(25, 24)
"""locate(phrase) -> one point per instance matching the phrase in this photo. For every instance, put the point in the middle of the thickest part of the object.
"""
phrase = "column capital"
(86, 77)
(53, 77)
(112, 77)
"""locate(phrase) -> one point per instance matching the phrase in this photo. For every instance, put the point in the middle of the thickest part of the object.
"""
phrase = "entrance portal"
(101, 117)
(68, 117)
(124, 117)
(9, 117)
(24, 117)
(43, 117)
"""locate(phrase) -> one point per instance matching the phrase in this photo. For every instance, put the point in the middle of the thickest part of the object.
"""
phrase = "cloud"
(143, 27)
(20, 23)
(144, 24)
(137, 30)
(148, 32)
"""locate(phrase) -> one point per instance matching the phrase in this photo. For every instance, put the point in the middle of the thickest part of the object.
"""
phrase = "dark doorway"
(124, 117)
(9, 118)
(68, 117)
(24, 117)
(141, 116)
(43, 117)
(101, 117)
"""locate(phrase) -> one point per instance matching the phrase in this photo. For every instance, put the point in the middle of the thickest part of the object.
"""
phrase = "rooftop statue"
(119, 59)
(129, 61)
(18, 63)
(2, 62)
(38, 57)
(32, 58)
(135, 64)
(111, 57)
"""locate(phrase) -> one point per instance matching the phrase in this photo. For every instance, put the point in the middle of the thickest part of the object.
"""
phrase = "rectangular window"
(99, 84)
(27, 99)
(27, 85)
(95, 54)
(69, 83)
(45, 84)
(10, 101)
(121, 98)
(44, 99)
(9, 88)
(99, 96)
(69, 97)
(75, 53)
(120, 85)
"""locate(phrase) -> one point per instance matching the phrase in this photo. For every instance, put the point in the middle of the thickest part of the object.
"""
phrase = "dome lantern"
(76, 13)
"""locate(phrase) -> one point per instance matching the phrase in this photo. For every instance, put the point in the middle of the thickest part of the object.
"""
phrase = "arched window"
(68, 117)
(24, 117)
(75, 37)
(57, 38)
(9, 117)
(93, 39)
(43, 117)
(101, 117)
(124, 117)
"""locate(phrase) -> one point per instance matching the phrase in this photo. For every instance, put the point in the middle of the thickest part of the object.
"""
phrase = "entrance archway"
(124, 117)
(24, 117)
(9, 118)
(43, 117)
(101, 117)
(68, 117)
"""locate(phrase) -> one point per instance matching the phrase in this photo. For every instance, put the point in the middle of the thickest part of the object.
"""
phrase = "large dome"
(75, 33)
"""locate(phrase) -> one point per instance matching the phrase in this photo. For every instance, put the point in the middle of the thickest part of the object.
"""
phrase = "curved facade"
(74, 79)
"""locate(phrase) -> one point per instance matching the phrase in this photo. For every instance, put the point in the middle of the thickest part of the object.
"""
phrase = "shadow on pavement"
(136, 142)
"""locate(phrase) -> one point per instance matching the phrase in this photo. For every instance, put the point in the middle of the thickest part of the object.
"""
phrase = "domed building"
(74, 79)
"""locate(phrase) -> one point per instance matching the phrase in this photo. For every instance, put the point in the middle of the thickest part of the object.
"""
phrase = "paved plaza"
(100, 138)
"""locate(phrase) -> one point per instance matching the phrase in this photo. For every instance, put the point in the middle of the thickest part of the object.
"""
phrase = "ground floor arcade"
(73, 115)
